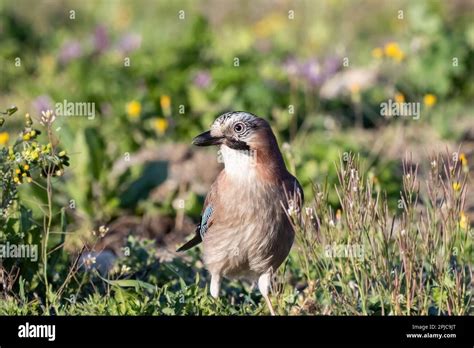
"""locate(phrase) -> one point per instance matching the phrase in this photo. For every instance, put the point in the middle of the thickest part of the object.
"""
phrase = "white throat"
(239, 164)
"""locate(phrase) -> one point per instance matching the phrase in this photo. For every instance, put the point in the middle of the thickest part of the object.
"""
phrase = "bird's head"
(237, 130)
(247, 142)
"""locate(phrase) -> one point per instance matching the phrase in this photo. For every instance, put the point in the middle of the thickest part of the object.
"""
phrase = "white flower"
(103, 231)
(125, 269)
(47, 117)
(89, 261)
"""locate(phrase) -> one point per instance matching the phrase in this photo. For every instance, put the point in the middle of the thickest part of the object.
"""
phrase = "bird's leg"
(215, 285)
(264, 287)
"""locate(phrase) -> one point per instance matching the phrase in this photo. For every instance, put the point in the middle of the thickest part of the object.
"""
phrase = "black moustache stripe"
(237, 144)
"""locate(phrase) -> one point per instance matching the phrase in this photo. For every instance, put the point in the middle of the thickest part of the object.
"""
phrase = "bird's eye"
(239, 127)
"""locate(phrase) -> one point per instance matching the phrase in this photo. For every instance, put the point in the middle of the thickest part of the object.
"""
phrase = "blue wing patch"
(204, 220)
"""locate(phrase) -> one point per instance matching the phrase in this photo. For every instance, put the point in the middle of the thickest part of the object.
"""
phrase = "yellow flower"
(4, 137)
(463, 221)
(429, 100)
(399, 98)
(377, 53)
(26, 167)
(134, 109)
(161, 125)
(269, 25)
(394, 51)
(354, 88)
(463, 159)
(34, 155)
(165, 102)
(456, 186)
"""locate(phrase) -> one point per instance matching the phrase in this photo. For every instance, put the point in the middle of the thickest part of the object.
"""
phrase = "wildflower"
(70, 51)
(103, 231)
(456, 186)
(89, 261)
(125, 269)
(46, 149)
(134, 109)
(62, 153)
(399, 98)
(34, 155)
(101, 39)
(269, 25)
(129, 43)
(4, 137)
(392, 50)
(377, 53)
(354, 88)
(165, 102)
(463, 159)
(161, 125)
(28, 122)
(41, 104)
(202, 79)
(463, 221)
(47, 118)
(26, 167)
(429, 100)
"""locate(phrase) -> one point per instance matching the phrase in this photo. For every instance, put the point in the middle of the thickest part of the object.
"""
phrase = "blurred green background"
(160, 72)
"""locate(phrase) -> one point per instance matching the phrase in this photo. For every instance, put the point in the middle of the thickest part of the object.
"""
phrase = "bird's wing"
(206, 218)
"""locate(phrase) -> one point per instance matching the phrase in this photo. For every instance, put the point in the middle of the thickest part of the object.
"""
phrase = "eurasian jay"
(245, 227)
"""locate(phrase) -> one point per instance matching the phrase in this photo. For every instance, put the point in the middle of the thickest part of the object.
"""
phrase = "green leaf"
(130, 283)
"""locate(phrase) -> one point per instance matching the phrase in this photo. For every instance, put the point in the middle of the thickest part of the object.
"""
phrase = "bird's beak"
(206, 139)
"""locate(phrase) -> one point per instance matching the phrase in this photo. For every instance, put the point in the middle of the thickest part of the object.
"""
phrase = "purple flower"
(291, 67)
(202, 79)
(311, 71)
(331, 66)
(42, 103)
(129, 43)
(101, 39)
(69, 51)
